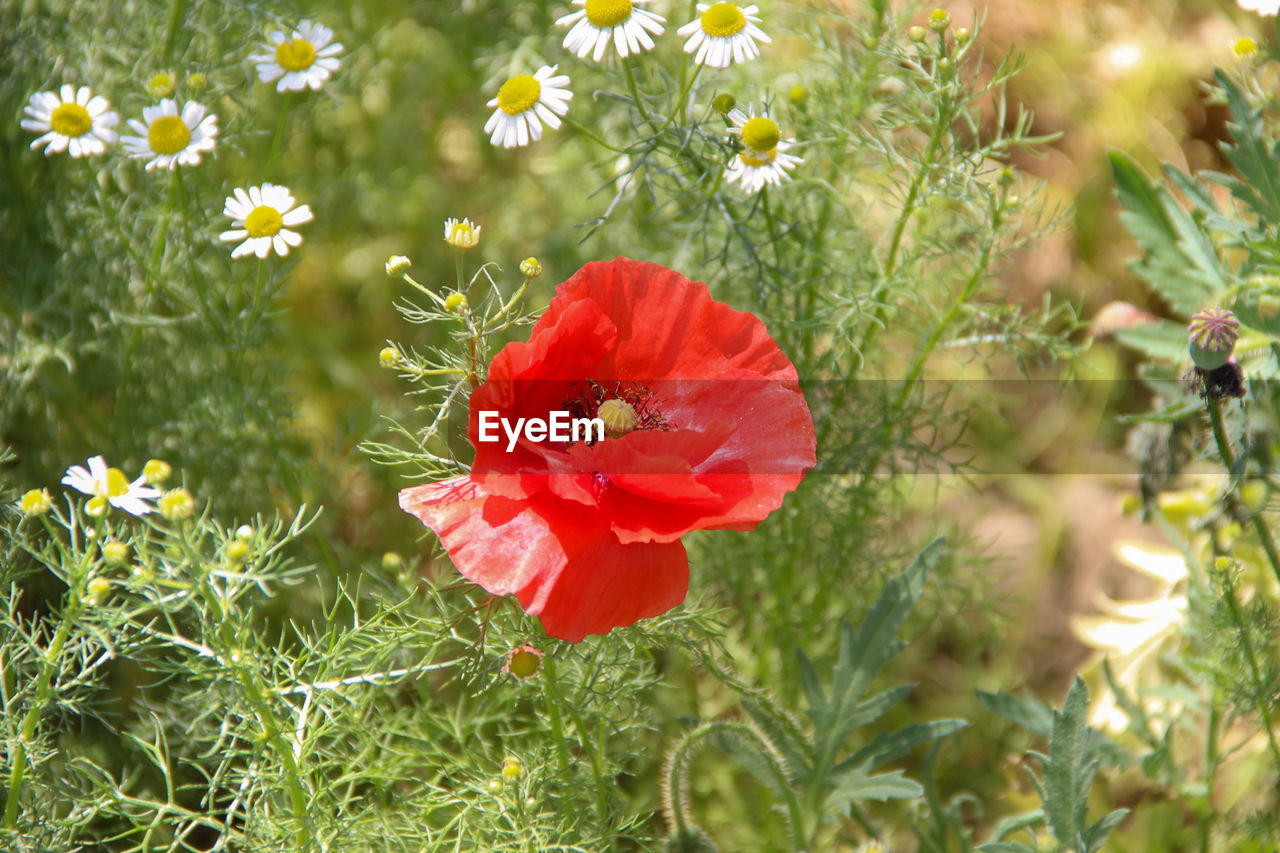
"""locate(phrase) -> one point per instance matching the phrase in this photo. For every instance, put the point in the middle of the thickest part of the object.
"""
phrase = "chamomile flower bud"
(1244, 47)
(1213, 333)
(798, 94)
(388, 356)
(35, 502)
(176, 504)
(244, 532)
(944, 64)
(963, 35)
(114, 552)
(530, 268)
(461, 233)
(156, 471)
(723, 103)
(97, 506)
(512, 769)
(237, 550)
(397, 264)
(523, 662)
(456, 303)
(392, 561)
(917, 34)
(97, 591)
(197, 82)
(939, 20)
(162, 85)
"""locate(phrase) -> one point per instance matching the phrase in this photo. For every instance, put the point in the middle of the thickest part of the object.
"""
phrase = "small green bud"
(392, 561)
(197, 82)
(530, 268)
(1213, 333)
(456, 303)
(156, 471)
(35, 502)
(397, 264)
(523, 661)
(963, 35)
(176, 504)
(162, 85)
(723, 103)
(917, 34)
(1006, 177)
(512, 768)
(798, 94)
(114, 552)
(97, 591)
(939, 20)
(944, 64)
(1244, 47)
(237, 550)
(388, 356)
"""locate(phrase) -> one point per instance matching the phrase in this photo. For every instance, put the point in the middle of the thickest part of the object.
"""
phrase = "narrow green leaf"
(1031, 713)
(1096, 834)
(1068, 772)
(856, 785)
(887, 746)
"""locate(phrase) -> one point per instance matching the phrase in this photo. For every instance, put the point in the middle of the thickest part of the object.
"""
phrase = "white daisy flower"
(110, 486)
(602, 21)
(1262, 7)
(74, 120)
(763, 159)
(523, 103)
(171, 138)
(723, 33)
(301, 59)
(259, 216)
(461, 233)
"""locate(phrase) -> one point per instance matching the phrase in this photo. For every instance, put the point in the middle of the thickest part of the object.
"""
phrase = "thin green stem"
(1256, 520)
(587, 132)
(1210, 769)
(44, 687)
(1260, 692)
(635, 91)
(176, 10)
(552, 700)
(277, 141)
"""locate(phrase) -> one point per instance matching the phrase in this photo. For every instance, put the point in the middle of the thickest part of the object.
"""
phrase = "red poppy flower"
(707, 428)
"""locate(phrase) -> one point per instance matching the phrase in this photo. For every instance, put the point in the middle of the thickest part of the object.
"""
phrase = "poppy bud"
(523, 662)
(619, 417)
(1213, 333)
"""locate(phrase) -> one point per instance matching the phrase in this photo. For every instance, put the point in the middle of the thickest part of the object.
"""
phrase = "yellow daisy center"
(761, 134)
(117, 483)
(263, 221)
(722, 20)
(518, 94)
(295, 54)
(168, 135)
(608, 13)
(71, 120)
(757, 159)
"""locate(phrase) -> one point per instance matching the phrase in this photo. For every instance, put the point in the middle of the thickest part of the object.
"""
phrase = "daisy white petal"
(763, 159)
(723, 33)
(73, 120)
(172, 138)
(522, 105)
(301, 59)
(599, 22)
(259, 216)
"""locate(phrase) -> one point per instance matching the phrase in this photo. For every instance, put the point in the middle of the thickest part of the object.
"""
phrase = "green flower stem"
(635, 91)
(277, 141)
(177, 8)
(49, 665)
(457, 269)
(1256, 520)
(676, 805)
(1210, 770)
(552, 702)
(940, 128)
(592, 136)
(1261, 694)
